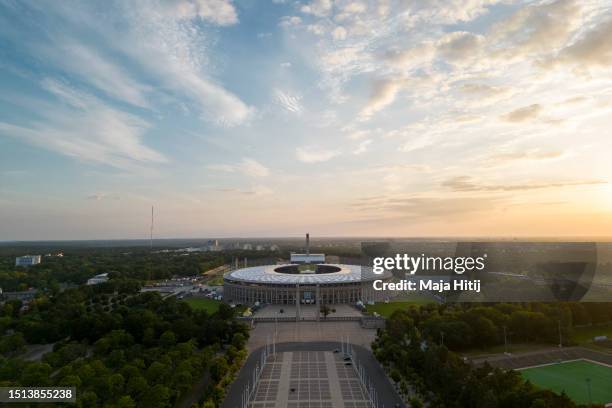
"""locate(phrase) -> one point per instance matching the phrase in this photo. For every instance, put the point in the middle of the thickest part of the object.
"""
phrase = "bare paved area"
(344, 394)
(308, 312)
(308, 379)
(322, 331)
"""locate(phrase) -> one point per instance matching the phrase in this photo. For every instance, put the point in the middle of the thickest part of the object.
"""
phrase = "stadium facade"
(302, 283)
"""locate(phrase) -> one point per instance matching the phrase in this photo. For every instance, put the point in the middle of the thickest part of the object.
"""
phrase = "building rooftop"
(270, 274)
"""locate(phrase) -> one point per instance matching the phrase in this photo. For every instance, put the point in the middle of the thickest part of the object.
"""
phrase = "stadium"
(306, 279)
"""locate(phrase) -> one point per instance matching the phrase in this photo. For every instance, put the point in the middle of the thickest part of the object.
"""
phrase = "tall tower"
(151, 236)
(307, 244)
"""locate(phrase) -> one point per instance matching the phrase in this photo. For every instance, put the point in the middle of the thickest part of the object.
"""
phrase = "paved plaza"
(308, 379)
(307, 312)
(287, 332)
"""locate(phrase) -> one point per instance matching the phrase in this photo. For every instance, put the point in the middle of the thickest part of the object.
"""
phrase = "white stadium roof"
(267, 274)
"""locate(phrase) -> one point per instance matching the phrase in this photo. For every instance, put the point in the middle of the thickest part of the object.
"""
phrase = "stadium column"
(297, 302)
(318, 302)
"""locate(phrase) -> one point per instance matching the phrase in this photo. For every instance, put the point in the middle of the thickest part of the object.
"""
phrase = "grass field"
(210, 305)
(571, 377)
(586, 334)
(387, 309)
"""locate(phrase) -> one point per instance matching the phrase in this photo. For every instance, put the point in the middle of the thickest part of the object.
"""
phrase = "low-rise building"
(27, 260)
(101, 278)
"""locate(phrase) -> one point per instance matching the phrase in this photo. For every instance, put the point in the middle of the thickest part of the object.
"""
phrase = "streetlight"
(505, 341)
(588, 381)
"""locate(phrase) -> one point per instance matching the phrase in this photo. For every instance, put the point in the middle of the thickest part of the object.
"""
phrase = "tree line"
(121, 348)
(425, 367)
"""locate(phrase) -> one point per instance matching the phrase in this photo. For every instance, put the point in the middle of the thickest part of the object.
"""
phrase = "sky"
(258, 118)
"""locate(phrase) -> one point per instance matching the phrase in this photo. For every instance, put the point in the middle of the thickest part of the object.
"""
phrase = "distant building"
(24, 296)
(101, 278)
(307, 258)
(27, 260)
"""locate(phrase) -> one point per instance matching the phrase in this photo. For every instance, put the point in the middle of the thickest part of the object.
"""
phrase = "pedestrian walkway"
(308, 379)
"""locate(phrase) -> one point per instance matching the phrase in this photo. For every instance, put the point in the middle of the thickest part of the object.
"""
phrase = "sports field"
(198, 303)
(571, 377)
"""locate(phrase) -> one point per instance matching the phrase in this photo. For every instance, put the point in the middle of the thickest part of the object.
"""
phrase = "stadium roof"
(267, 274)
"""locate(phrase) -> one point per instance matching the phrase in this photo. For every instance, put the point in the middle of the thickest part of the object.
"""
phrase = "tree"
(218, 368)
(167, 339)
(126, 402)
(325, 311)
(157, 396)
(239, 340)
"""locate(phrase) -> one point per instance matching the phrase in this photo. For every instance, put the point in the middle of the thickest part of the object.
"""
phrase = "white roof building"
(101, 278)
(27, 260)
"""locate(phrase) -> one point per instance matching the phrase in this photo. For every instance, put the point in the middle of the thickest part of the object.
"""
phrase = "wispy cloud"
(311, 154)
(288, 101)
(247, 167)
(466, 183)
(523, 114)
(84, 127)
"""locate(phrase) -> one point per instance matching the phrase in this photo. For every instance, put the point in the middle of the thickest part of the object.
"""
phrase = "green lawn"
(586, 334)
(386, 309)
(307, 267)
(216, 281)
(571, 377)
(197, 303)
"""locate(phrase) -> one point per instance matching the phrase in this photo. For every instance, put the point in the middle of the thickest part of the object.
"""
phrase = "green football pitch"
(572, 377)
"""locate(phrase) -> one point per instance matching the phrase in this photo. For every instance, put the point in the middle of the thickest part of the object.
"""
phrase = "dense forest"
(465, 326)
(79, 264)
(122, 349)
(419, 349)
(119, 347)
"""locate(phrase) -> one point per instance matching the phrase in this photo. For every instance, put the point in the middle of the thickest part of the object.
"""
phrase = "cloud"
(466, 183)
(416, 143)
(103, 196)
(218, 12)
(383, 93)
(248, 167)
(523, 114)
(254, 168)
(339, 33)
(314, 154)
(164, 42)
(460, 46)
(83, 127)
(534, 154)
(411, 57)
(96, 69)
(540, 27)
(258, 190)
(592, 49)
(362, 147)
(288, 101)
(289, 21)
(319, 8)
(410, 208)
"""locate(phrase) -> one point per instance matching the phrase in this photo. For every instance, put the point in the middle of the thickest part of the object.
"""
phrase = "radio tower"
(151, 237)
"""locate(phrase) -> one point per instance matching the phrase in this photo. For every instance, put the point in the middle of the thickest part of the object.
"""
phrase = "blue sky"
(270, 118)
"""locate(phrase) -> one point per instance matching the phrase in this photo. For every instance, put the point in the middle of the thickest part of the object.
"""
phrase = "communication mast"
(151, 237)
